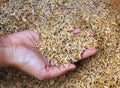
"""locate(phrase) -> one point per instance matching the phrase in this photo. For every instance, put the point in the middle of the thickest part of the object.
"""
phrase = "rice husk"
(62, 46)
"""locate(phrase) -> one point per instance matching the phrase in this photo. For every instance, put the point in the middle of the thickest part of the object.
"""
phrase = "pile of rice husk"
(99, 71)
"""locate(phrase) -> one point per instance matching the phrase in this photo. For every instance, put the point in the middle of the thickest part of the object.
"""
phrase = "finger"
(28, 36)
(34, 35)
(58, 71)
(76, 31)
(29, 33)
(87, 53)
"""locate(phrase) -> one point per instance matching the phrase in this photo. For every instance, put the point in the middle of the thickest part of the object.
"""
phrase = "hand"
(21, 52)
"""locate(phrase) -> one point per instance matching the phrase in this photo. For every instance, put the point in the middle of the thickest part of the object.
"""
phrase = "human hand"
(21, 52)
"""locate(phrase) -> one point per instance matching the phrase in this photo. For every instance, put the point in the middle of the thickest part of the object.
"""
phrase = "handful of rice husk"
(62, 46)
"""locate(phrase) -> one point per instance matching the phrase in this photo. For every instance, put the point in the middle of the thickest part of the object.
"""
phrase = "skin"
(19, 50)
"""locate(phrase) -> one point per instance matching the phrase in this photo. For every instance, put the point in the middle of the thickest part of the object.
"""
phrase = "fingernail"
(76, 31)
(72, 66)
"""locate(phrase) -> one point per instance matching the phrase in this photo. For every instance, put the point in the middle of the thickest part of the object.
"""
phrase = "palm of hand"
(23, 54)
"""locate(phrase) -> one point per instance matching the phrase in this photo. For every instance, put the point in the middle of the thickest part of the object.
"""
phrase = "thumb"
(58, 71)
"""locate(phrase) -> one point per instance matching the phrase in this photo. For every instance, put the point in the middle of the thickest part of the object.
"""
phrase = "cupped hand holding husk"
(20, 50)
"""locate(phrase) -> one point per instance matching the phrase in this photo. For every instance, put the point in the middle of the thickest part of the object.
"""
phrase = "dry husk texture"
(99, 71)
(62, 46)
